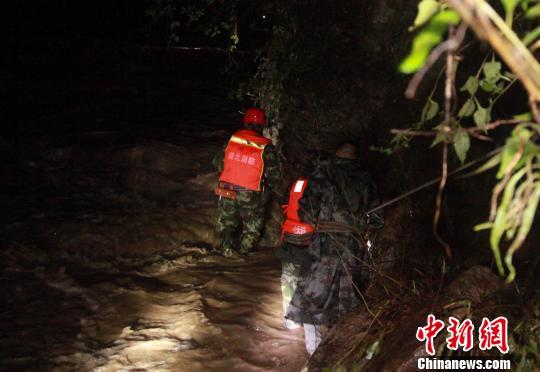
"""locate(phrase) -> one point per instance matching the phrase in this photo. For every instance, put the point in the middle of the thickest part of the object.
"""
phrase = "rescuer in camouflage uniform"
(291, 259)
(339, 192)
(246, 211)
(296, 238)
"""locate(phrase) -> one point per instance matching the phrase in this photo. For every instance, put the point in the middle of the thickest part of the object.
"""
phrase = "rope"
(303, 239)
(434, 181)
(336, 227)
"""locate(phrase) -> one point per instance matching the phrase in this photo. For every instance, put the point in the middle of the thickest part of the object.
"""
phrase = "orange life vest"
(292, 224)
(243, 164)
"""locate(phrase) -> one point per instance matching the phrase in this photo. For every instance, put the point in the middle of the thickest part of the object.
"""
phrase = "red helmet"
(254, 116)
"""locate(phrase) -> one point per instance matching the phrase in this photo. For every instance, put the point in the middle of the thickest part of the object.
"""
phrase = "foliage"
(519, 184)
(525, 338)
(430, 36)
(207, 20)
(517, 193)
(303, 75)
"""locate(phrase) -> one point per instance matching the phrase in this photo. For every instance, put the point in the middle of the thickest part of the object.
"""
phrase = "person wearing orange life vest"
(293, 229)
(339, 194)
(248, 164)
(296, 237)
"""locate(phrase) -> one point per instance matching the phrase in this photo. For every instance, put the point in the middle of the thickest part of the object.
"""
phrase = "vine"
(516, 195)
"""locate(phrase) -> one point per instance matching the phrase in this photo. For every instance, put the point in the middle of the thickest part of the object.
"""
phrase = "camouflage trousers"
(243, 214)
(289, 279)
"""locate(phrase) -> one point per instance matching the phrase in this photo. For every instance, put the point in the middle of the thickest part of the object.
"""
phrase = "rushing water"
(190, 310)
(110, 283)
(106, 259)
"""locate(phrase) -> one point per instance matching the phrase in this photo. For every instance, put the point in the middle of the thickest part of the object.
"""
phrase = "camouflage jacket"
(333, 271)
(340, 191)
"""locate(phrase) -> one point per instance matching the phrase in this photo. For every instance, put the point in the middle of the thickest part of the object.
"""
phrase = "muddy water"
(107, 229)
(188, 310)
(107, 264)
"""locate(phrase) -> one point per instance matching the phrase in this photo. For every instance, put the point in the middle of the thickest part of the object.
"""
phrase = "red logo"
(494, 334)
(429, 332)
(461, 334)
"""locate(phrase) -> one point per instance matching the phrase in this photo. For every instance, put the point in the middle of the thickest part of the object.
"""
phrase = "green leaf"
(527, 116)
(430, 110)
(426, 9)
(400, 140)
(533, 12)
(482, 116)
(462, 144)
(427, 38)
(532, 36)
(440, 137)
(510, 5)
(510, 149)
(525, 227)
(444, 18)
(519, 135)
(492, 70)
(470, 86)
(499, 225)
(525, 4)
(422, 45)
(491, 163)
(483, 226)
(487, 85)
(467, 109)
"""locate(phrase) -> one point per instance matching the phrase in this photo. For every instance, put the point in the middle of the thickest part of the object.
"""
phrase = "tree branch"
(450, 44)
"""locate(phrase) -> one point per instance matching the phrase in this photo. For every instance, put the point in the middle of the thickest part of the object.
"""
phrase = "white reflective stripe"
(298, 186)
(300, 230)
(246, 142)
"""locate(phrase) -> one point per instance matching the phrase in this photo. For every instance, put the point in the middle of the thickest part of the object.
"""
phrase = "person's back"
(346, 193)
(247, 163)
(296, 237)
(336, 201)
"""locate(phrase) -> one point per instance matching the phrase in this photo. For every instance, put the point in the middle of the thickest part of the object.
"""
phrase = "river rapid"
(108, 259)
